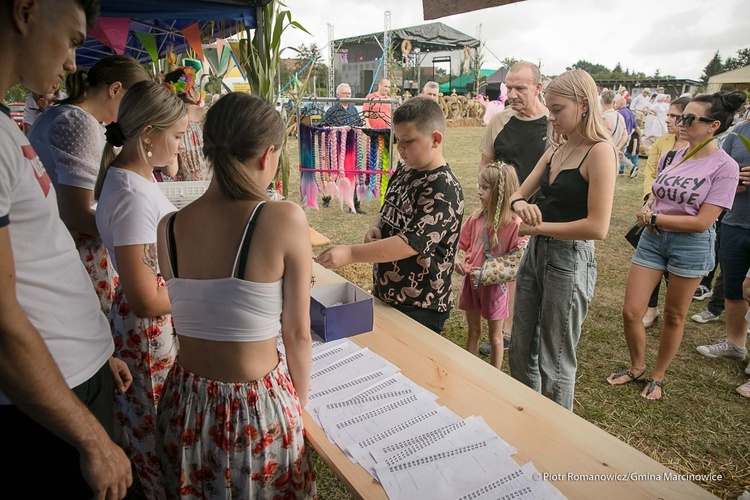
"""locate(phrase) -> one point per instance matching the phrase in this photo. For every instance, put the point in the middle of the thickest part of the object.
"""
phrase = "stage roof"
(432, 37)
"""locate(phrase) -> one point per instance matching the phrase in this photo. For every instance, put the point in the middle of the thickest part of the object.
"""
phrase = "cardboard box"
(340, 310)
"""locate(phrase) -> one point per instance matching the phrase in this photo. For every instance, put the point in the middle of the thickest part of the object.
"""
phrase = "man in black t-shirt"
(518, 136)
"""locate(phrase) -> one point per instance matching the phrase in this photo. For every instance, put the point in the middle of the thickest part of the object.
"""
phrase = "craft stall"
(339, 161)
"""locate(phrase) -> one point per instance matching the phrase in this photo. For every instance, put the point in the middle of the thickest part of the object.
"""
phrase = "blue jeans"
(554, 286)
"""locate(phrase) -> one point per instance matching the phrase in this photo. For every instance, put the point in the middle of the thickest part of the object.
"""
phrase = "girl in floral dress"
(149, 128)
(69, 140)
(230, 418)
(191, 162)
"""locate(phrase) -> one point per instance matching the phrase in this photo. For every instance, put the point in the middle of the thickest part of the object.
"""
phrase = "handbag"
(635, 231)
(496, 270)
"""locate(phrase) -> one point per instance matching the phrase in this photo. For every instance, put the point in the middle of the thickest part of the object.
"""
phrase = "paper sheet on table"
(320, 396)
(394, 387)
(446, 438)
(362, 361)
(353, 430)
(362, 451)
(330, 353)
(518, 485)
(448, 474)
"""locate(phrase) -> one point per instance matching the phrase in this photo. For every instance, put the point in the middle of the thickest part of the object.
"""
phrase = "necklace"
(562, 160)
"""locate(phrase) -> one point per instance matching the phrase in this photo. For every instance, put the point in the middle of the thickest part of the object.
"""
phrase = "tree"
(306, 54)
(17, 93)
(742, 60)
(714, 67)
(509, 61)
(597, 71)
(617, 72)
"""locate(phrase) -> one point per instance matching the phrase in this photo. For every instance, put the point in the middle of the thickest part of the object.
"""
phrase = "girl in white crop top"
(238, 270)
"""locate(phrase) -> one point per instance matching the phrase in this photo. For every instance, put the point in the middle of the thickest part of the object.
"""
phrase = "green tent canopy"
(464, 80)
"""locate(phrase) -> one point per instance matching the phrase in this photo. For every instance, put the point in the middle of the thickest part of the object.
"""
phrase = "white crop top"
(224, 309)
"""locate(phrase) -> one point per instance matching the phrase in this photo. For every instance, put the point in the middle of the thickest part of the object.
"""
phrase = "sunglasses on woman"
(687, 120)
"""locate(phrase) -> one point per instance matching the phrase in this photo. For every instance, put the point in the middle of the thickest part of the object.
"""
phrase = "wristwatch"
(652, 220)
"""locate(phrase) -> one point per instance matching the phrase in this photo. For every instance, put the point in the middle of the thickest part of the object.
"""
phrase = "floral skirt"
(233, 440)
(149, 347)
(96, 260)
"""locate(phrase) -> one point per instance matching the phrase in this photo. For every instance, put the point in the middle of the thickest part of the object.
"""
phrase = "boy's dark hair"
(722, 106)
(91, 10)
(423, 112)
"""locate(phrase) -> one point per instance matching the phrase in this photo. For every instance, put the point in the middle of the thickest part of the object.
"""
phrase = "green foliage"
(742, 60)
(597, 71)
(17, 93)
(714, 67)
(509, 61)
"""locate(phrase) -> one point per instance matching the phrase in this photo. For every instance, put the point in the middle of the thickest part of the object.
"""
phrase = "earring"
(584, 114)
(147, 145)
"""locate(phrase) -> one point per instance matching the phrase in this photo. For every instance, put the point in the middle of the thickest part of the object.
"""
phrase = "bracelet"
(513, 202)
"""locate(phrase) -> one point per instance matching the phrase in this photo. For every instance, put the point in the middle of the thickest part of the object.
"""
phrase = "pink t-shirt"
(683, 189)
(471, 240)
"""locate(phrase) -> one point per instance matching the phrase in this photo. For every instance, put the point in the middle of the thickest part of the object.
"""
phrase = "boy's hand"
(744, 178)
(373, 234)
(335, 257)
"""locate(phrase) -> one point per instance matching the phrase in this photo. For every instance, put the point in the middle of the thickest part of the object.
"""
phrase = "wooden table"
(318, 240)
(556, 440)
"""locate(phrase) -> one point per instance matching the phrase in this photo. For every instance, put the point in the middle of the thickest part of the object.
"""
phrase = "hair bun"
(732, 101)
(114, 135)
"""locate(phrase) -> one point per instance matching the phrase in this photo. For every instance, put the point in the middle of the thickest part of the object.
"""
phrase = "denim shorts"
(688, 255)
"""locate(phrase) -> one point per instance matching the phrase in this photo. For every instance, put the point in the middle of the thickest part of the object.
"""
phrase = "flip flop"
(619, 374)
(654, 383)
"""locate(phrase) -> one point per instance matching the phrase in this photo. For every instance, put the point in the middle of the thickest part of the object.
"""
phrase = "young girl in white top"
(149, 128)
(238, 270)
(497, 182)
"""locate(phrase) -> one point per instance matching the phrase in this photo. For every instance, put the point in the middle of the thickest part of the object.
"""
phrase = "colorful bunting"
(149, 43)
(192, 34)
(116, 29)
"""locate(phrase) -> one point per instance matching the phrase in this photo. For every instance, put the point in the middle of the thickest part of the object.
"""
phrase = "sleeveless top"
(567, 198)
(227, 309)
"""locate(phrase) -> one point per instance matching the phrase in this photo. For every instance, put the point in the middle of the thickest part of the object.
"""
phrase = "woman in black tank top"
(556, 280)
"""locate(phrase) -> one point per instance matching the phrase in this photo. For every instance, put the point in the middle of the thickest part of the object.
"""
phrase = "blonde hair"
(503, 182)
(146, 103)
(578, 85)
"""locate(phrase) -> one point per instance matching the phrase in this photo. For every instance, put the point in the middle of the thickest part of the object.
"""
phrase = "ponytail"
(108, 156)
(77, 87)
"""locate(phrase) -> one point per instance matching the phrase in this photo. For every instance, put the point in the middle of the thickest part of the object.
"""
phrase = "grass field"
(701, 425)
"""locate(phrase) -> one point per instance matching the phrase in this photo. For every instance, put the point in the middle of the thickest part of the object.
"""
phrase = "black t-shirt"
(425, 209)
(522, 143)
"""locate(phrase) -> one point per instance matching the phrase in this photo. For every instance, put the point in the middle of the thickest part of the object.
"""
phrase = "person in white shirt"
(150, 125)
(56, 362)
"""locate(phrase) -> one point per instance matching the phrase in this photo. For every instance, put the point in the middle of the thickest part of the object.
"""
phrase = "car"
(16, 112)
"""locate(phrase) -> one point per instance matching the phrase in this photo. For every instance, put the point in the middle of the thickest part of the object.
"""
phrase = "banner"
(116, 29)
(149, 43)
(192, 34)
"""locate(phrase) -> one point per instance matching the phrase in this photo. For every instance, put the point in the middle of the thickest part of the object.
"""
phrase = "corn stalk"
(262, 68)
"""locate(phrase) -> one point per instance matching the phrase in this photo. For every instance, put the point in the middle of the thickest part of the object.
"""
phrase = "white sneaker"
(705, 316)
(747, 370)
(744, 390)
(722, 349)
(702, 292)
(652, 314)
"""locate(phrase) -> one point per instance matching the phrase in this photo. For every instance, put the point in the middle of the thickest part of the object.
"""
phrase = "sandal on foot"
(619, 374)
(654, 383)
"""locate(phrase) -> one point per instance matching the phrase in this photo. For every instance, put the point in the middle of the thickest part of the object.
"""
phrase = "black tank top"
(567, 198)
